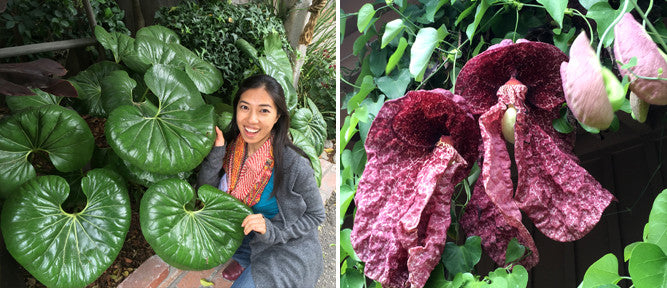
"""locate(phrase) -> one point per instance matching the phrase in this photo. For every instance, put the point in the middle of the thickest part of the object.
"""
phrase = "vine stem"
(649, 24)
(618, 18)
(590, 28)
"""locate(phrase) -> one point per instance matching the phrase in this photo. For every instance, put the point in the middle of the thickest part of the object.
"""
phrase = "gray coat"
(289, 253)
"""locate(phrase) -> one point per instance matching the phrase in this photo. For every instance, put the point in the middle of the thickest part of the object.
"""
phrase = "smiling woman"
(261, 167)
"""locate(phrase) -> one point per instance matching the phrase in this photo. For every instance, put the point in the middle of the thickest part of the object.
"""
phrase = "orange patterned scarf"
(246, 179)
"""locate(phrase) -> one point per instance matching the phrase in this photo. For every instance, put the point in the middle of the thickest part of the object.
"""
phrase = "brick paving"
(155, 273)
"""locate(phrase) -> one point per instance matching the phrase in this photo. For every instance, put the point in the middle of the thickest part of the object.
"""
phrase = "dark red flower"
(419, 147)
(558, 195)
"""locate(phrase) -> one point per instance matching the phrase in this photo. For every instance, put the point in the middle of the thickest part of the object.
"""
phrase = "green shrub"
(31, 22)
(211, 29)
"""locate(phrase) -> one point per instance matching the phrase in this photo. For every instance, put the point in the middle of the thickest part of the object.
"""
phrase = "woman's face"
(255, 116)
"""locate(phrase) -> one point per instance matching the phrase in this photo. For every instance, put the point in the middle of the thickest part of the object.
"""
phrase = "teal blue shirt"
(267, 205)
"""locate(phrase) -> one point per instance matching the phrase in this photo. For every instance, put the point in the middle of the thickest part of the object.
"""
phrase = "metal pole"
(45, 47)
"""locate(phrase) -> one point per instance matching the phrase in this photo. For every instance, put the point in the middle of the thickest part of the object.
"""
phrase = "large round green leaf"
(88, 84)
(186, 239)
(310, 122)
(171, 138)
(117, 90)
(41, 98)
(207, 78)
(60, 132)
(161, 33)
(62, 249)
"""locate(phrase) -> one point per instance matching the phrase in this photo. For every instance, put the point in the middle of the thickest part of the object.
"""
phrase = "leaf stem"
(348, 83)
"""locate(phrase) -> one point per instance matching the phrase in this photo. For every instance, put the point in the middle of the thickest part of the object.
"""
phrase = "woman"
(261, 167)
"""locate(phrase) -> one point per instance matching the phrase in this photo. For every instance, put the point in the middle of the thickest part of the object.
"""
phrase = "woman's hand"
(254, 222)
(219, 139)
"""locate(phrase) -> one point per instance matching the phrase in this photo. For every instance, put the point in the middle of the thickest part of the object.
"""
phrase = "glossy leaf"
(367, 86)
(604, 16)
(154, 51)
(346, 245)
(346, 197)
(514, 251)
(41, 98)
(207, 78)
(88, 84)
(160, 33)
(396, 56)
(432, 7)
(392, 29)
(117, 90)
(462, 258)
(394, 86)
(122, 47)
(58, 131)
(657, 222)
(603, 271)
(365, 16)
(518, 278)
(479, 14)
(648, 266)
(276, 64)
(310, 122)
(173, 137)
(187, 239)
(300, 140)
(427, 39)
(62, 249)
(556, 9)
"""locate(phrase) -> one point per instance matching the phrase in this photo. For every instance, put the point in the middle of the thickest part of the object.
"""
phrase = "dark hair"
(280, 130)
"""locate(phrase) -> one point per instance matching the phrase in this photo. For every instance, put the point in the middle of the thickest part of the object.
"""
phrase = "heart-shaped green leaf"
(305, 144)
(394, 86)
(120, 44)
(392, 29)
(88, 84)
(58, 131)
(657, 222)
(310, 122)
(603, 271)
(41, 98)
(462, 258)
(107, 158)
(365, 16)
(648, 266)
(207, 78)
(427, 39)
(173, 137)
(62, 249)
(186, 239)
(154, 51)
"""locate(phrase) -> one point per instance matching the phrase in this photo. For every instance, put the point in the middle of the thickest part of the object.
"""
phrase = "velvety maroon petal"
(484, 218)
(561, 198)
(403, 196)
(496, 176)
(535, 64)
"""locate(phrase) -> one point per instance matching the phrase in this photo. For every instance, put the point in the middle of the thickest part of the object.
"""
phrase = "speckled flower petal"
(484, 218)
(492, 213)
(403, 196)
(561, 198)
(584, 88)
(535, 64)
(633, 41)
